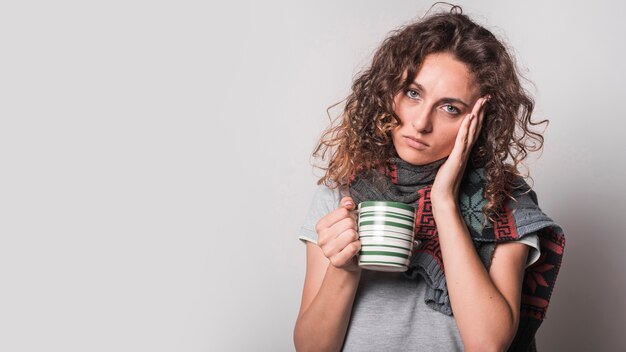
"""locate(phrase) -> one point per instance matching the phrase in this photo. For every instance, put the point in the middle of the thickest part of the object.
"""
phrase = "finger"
(343, 225)
(331, 218)
(347, 236)
(460, 137)
(478, 105)
(347, 202)
(337, 244)
(457, 148)
(481, 116)
(346, 254)
(478, 111)
(461, 141)
(471, 135)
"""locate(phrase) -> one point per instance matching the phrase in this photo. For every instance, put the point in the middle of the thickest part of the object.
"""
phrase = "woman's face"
(432, 108)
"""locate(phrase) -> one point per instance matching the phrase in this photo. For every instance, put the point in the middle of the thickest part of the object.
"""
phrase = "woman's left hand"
(448, 178)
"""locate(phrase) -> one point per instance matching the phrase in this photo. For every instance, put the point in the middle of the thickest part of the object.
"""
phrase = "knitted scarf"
(403, 182)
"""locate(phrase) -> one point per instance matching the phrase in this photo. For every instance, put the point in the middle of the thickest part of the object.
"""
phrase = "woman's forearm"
(323, 325)
(484, 317)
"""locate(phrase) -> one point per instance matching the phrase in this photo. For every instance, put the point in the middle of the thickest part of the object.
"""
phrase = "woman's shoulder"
(523, 194)
(329, 195)
(325, 199)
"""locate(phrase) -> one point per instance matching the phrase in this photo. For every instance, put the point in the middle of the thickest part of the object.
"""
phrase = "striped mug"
(386, 234)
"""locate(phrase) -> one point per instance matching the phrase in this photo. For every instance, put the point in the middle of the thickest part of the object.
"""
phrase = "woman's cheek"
(450, 137)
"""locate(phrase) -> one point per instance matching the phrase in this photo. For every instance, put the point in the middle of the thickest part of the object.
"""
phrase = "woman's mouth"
(416, 143)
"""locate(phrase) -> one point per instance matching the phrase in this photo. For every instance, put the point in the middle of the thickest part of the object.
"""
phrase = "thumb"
(347, 202)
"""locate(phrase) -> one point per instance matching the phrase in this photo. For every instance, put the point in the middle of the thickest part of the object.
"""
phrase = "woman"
(431, 123)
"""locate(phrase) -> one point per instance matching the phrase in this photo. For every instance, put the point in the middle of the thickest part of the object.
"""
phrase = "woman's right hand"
(338, 237)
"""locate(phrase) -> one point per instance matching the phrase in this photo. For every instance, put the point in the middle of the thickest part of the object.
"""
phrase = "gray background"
(155, 163)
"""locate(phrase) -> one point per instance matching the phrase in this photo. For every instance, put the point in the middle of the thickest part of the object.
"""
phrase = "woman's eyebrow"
(446, 100)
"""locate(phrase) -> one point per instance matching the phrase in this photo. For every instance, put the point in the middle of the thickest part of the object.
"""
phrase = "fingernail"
(348, 204)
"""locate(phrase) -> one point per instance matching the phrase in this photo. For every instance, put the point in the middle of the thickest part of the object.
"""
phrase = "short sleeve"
(324, 201)
(532, 240)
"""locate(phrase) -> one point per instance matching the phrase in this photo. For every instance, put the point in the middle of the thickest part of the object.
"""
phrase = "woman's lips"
(416, 143)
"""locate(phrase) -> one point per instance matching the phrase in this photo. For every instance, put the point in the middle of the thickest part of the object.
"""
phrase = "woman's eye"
(451, 109)
(412, 94)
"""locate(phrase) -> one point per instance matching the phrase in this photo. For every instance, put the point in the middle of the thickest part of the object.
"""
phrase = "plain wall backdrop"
(155, 163)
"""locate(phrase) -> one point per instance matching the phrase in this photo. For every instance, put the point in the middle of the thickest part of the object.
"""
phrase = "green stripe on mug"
(386, 204)
(384, 245)
(379, 262)
(389, 236)
(369, 214)
(391, 254)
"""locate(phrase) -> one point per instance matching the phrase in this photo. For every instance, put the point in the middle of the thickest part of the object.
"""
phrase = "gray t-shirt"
(389, 312)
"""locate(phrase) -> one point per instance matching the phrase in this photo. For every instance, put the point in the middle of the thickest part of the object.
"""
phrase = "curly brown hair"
(362, 139)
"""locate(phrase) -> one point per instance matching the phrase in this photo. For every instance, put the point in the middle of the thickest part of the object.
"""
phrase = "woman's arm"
(331, 281)
(326, 304)
(485, 305)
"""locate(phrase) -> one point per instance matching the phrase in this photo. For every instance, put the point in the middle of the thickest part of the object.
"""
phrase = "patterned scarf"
(403, 182)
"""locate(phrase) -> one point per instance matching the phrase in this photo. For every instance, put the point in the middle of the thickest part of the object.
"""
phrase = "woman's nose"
(421, 121)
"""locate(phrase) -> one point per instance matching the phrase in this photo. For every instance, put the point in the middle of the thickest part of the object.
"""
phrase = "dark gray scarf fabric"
(399, 182)
(403, 182)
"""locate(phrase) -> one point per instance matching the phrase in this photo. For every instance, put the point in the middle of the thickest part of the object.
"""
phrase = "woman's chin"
(419, 160)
